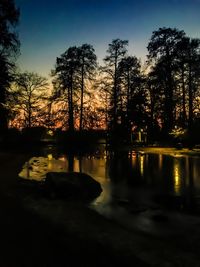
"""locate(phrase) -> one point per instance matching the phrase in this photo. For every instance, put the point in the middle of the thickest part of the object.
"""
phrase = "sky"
(48, 28)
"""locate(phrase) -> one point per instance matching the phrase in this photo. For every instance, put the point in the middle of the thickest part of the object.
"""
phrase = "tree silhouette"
(120, 98)
(88, 63)
(155, 90)
(73, 68)
(188, 59)
(162, 51)
(9, 47)
(129, 69)
(30, 92)
(182, 51)
(131, 90)
(116, 51)
(193, 76)
(66, 75)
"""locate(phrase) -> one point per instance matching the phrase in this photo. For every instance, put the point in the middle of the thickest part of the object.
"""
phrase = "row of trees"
(74, 69)
(120, 96)
(160, 98)
(9, 48)
(173, 80)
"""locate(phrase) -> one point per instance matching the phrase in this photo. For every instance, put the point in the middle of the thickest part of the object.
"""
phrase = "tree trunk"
(127, 118)
(115, 97)
(183, 95)
(82, 93)
(169, 106)
(29, 116)
(190, 121)
(71, 107)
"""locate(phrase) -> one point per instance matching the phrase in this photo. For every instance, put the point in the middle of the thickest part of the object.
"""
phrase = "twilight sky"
(48, 27)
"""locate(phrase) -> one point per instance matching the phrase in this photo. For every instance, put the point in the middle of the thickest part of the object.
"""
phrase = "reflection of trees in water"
(184, 183)
(121, 167)
(171, 177)
(178, 178)
(117, 161)
(70, 162)
(80, 163)
(190, 192)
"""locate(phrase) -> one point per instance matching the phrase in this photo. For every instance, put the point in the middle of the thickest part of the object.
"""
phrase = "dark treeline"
(155, 102)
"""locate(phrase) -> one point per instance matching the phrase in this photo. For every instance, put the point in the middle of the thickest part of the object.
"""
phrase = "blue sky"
(48, 28)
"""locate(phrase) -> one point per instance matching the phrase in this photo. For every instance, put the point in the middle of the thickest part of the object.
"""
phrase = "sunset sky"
(48, 28)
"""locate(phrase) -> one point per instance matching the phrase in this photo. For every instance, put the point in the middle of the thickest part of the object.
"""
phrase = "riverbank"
(170, 151)
(36, 231)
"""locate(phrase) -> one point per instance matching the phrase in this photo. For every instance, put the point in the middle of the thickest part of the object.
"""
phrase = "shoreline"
(170, 150)
(41, 232)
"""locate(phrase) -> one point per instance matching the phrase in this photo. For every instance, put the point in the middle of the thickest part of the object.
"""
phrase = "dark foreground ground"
(35, 231)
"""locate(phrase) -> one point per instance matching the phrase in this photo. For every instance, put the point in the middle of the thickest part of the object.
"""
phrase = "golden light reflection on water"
(97, 168)
(179, 169)
(133, 158)
(50, 156)
(142, 165)
(160, 162)
(177, 177)
(77, 165)
(62, 158)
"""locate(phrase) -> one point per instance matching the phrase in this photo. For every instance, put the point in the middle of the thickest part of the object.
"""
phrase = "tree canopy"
(9, 48)
(122, 96)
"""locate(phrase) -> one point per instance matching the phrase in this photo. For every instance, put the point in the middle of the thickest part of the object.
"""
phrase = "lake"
(139, 188)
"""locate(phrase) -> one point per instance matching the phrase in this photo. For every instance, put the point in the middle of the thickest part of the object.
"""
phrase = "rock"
(71, 185)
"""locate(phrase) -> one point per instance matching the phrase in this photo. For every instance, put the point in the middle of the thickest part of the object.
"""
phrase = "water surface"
(139, 189)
